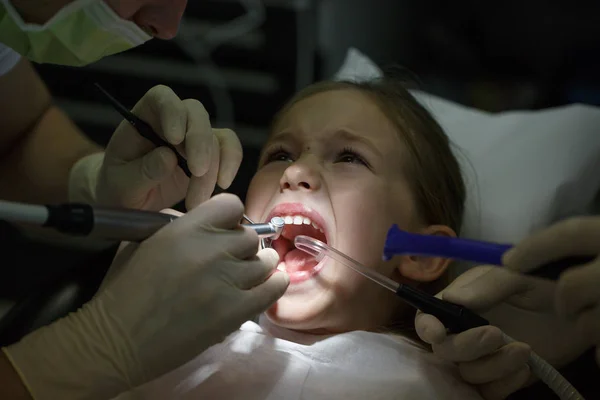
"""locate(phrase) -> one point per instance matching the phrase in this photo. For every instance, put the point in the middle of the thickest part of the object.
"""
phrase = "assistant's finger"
(578, 289)
(502, 388)
(496, 286)
(201, 187)
(503, 362)
(198, 138)
(230, 156)
(588, 325)
(576, 236)
(470, 345)
(429, 328)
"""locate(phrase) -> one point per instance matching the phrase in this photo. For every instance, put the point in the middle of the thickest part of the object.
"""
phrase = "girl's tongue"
(298, 260)
(293, 259)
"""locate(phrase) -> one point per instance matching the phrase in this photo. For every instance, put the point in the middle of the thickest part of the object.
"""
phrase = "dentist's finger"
(230, 156)
(161, 102)
(251, 274)
(576, 236)
(470, 345)
(200, 188)
(199, 138)
(163, 111)
(264, 295)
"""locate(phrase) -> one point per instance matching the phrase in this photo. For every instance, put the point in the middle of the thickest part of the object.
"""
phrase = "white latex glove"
(520, 306)
(483, 358)
(132, 173)
(577, 297)
(167, 300)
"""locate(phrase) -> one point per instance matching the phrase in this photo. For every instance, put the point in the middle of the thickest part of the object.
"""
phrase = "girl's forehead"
(340, 114)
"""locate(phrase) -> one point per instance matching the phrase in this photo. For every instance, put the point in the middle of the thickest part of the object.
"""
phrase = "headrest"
(523, 169)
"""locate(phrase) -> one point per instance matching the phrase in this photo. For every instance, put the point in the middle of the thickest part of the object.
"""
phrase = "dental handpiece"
(106, 223)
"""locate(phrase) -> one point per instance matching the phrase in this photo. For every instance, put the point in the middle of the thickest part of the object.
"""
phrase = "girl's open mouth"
(299, 265)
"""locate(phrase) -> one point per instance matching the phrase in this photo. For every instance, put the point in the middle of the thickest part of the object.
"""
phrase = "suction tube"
(549, 375)
(539, 367)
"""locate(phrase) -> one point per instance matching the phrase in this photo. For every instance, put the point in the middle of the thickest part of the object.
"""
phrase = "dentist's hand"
(483, 358)
(132, 173)
(166, 301)
(577, 298)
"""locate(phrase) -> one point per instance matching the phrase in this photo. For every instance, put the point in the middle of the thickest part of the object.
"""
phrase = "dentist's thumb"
(429, 328)
(156, 165)
(275, 284)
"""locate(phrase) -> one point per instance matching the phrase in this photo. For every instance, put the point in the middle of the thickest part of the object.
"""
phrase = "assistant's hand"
(132, 173)
(497, 369)
(166, 301)
(577, 297)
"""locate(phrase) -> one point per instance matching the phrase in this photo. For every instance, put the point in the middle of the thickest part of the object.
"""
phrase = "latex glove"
(483, 358)
(577, 297)
(167, 300)
(521, 306)
(132, 173)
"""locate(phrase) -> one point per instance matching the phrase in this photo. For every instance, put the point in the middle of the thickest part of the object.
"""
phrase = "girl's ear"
(426, 269)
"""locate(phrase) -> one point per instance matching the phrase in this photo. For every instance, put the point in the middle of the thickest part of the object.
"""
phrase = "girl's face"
(333, 169)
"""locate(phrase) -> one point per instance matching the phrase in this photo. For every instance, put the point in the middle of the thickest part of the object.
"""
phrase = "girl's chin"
(297, 313)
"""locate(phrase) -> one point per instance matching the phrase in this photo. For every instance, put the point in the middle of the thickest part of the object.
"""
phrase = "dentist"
(169, 298)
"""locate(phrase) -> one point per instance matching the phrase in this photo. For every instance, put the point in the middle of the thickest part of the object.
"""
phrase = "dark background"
(490, 55)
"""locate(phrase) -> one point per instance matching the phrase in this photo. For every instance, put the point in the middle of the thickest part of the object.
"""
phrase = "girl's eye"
(278, 155)
(352, 157)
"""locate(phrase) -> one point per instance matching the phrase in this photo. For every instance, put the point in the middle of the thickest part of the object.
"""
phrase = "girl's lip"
(301, 276)
(284, 209)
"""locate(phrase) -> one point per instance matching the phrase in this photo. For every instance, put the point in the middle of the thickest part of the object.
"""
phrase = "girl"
(344, 162)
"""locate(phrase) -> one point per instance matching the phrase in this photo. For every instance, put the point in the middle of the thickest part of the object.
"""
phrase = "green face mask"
(79, 34)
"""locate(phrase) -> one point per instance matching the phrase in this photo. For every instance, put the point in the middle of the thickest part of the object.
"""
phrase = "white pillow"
(523, 170)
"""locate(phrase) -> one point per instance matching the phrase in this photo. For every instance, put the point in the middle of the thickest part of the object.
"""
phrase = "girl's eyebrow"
(347, 135)
(340, 134)
(282, 136)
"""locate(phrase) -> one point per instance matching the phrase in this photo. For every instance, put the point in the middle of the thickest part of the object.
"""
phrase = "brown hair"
(433, 173)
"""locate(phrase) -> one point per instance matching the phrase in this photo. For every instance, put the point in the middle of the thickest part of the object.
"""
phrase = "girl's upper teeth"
(299, 220)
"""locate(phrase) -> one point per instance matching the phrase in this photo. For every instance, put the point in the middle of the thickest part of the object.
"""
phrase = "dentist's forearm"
(36, 167)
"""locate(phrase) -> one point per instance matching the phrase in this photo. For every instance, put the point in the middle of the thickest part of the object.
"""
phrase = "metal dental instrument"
(105, 223)
(145, 129)
(456, 318)
(278, 222)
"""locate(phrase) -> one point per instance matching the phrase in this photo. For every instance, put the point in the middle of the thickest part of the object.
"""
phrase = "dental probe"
(145, 129)
(106, 223)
